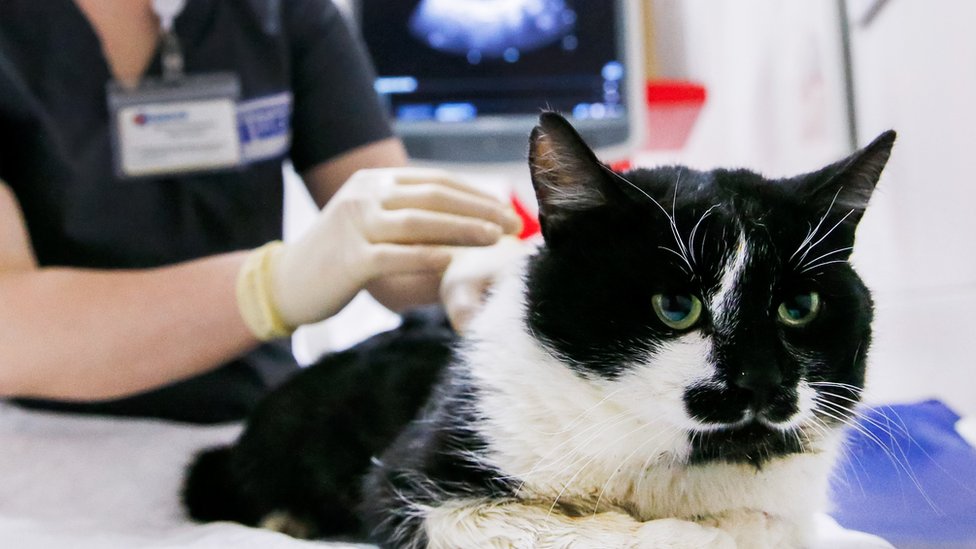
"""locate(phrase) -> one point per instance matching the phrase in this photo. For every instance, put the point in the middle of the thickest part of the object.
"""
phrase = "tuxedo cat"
(671, 368)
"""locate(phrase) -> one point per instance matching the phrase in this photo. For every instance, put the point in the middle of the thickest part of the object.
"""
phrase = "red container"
(672, 109)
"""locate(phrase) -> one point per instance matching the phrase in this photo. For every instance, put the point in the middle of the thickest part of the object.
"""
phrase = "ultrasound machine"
(465, 80)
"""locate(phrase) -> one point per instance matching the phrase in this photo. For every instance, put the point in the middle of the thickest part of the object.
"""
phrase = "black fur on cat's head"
(722, 300)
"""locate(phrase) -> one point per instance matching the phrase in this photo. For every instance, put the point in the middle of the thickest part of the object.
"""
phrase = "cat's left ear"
(566, 174)
(846, 186)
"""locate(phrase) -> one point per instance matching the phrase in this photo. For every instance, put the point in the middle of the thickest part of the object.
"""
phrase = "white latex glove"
(381, 222)
(471, 274)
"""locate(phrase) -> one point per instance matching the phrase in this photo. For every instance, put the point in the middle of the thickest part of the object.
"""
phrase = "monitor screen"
(463, 78)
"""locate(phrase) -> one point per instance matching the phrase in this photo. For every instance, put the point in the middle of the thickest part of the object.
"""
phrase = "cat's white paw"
(681, 534)
(757, 529)
(288, 524)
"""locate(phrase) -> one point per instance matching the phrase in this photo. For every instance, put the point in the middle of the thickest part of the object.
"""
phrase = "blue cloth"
(918, 490)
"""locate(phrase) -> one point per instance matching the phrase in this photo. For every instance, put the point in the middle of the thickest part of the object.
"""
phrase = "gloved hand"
(381, 222)
(471, 274)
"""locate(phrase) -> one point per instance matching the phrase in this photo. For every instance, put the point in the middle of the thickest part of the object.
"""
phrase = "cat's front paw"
(682, 534)
(757, 529)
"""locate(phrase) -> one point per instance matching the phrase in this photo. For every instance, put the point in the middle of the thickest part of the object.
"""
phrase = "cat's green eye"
(800, 309)
(677, 311)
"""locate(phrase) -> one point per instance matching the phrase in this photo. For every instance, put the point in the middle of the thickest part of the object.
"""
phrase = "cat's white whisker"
(823, 264)
(674, 218)
(694, 231)
(623, 463)
(903, 429)
(571, 479)
(582, 415)
(812, 234)
(579, 452)
(884, 427)
(818, 424)
(670, 431)
(573, 452)
(900, 464)
(681, 257)
(822, 238)
(674, 226)
(806, 239)
(853, 388)
(596, 429)
(903, 464)
(674, 215)
(826, 255)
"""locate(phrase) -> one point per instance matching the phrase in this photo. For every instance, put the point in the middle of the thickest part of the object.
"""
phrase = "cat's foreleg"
(513, 525)
(760, 530)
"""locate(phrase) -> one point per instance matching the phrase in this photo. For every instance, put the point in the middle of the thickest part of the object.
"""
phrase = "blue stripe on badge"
(264, 124)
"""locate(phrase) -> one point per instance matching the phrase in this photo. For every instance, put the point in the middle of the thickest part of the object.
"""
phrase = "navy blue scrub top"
(55, 155)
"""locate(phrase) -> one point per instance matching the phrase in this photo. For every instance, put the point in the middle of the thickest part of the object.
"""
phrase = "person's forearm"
(92, 335)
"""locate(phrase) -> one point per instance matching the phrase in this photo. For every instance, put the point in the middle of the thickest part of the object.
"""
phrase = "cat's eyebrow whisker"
(694, 230)
(814, 245)
(852, 388)
(823, 264)
(810, 236)
(687, 271)
(826, 255)
(674, 207)
(804, 242)
(674, 218)
(703, 239)
(674, 226)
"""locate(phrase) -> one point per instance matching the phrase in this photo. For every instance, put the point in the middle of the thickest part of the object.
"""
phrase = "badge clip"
(172, 54)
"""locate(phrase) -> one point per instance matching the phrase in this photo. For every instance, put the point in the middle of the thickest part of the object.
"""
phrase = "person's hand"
(471, 274)
(381, 222)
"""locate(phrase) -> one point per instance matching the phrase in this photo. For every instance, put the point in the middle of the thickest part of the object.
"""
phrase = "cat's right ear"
(566, 174)
(848, 184)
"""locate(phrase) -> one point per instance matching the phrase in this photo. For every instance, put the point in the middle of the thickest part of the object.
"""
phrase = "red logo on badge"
(140, 119)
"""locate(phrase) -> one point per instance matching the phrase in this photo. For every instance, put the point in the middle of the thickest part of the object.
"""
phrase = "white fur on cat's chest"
(587, 441)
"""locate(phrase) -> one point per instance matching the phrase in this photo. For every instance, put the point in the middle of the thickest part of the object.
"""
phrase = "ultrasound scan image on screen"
(462, 78)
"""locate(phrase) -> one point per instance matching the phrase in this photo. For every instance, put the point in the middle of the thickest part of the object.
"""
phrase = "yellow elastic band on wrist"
(254, 297)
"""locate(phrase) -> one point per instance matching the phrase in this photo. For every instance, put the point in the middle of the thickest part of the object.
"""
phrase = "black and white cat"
(672, 368)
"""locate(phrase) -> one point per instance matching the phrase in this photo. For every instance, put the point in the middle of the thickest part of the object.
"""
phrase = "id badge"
(163, 128)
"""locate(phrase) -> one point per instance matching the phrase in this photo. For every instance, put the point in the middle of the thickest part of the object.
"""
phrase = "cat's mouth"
(754, 439)
(716, 407)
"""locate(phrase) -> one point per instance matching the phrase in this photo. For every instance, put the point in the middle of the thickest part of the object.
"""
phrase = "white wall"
(772, 72)
(915, 68)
